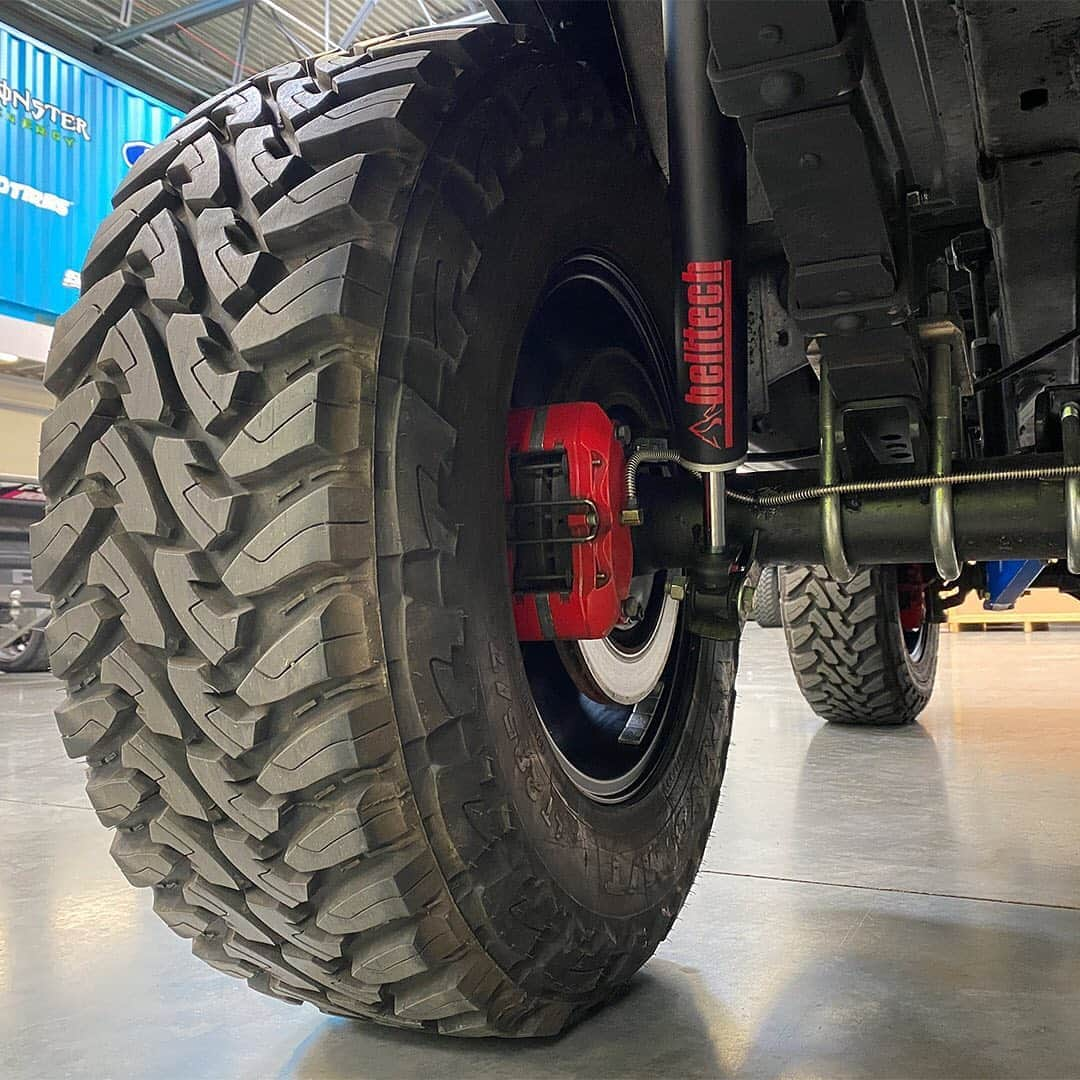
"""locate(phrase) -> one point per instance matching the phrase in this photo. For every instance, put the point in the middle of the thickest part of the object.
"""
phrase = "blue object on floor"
(1008, 580)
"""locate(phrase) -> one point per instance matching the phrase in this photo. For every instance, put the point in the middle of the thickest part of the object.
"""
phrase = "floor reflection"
(828, 934)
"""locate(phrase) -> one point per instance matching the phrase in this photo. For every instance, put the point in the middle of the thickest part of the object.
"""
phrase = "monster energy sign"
(41, 117)
(69, 134)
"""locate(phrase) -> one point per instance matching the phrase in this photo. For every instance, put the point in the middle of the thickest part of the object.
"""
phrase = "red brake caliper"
(911, 587)
(571, 558)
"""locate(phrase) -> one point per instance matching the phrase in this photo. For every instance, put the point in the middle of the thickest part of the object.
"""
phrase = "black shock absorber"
(707, 164)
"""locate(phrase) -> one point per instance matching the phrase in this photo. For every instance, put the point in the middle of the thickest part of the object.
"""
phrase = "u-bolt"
(942, 533)
(832, 531)
(1070, 444)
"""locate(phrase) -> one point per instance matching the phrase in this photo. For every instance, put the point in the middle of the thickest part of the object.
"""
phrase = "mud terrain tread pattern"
(847, 650)
(767, 610)
(294, 856)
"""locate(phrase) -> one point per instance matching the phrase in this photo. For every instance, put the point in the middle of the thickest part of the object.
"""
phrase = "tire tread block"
(331, 643)
(117, 567)
(153, 165)
(237, 271)
(116, 792)
(142, 861)
(163, 256)
(202, 174)
(77, 631)
(464, 986)
(332, 298)
(58, 541)
(257, 861)
(86, 719)
(69, 430)
(342, 739)
(216, 626)
(384, 887)
(228, 723)
(115, 234)
(119, 460)
(129, 355)
(211, 377)
(397, 118)
(314, 417)
(80, 331)
(256, 811)
(196, 843)
(325, 528)
(127, 667)
(350, 199)
(198, 493)
(266, 169)
(401, 950)
(229, 905)
(165, 764)
(296, 925)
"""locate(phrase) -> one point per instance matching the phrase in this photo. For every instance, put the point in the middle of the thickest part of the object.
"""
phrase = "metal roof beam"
(188, 15)
(357, 24)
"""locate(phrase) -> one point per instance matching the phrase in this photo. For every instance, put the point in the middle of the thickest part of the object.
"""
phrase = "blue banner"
(68, 134)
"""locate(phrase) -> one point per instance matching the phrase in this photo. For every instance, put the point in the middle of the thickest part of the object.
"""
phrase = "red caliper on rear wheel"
(571, 559)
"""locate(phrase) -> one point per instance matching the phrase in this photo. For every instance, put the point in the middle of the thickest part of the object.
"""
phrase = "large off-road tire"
(767, 611)
(276, 542)
(26, 654)
(852, 659)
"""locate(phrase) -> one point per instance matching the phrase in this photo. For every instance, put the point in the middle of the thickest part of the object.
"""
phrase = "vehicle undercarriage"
(399, 534)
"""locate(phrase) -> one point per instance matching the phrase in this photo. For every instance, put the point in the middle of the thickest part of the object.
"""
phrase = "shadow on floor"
(665, 1023)
(874, 992)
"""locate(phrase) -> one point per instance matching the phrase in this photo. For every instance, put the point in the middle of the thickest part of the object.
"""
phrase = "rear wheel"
(864, 651)
(767, 611)
(279, 546)
(26, 654)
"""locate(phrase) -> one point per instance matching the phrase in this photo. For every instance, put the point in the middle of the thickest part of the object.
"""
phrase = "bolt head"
(676, 588)
(780, 88)
(847, 324)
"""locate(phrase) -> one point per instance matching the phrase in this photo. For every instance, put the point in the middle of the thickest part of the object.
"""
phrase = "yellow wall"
(23, 405)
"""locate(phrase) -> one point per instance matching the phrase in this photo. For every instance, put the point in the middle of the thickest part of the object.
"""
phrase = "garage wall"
(23, 405)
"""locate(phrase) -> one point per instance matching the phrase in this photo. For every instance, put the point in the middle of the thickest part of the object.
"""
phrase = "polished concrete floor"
(881, 904)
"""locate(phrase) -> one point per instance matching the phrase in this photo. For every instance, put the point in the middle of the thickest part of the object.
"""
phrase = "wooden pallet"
(1037, 609)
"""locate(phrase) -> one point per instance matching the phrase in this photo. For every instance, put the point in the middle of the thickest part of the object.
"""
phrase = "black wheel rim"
(591, 338)
(914, 640)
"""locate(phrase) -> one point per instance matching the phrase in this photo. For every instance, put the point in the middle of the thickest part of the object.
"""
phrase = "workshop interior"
(549, 531)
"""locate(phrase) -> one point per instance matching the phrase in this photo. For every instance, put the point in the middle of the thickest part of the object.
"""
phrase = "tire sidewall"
(631, 863)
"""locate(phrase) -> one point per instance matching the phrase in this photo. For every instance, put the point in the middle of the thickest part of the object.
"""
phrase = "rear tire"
(28, 655)
(767, 610)
(277, 545)
(850, 655)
